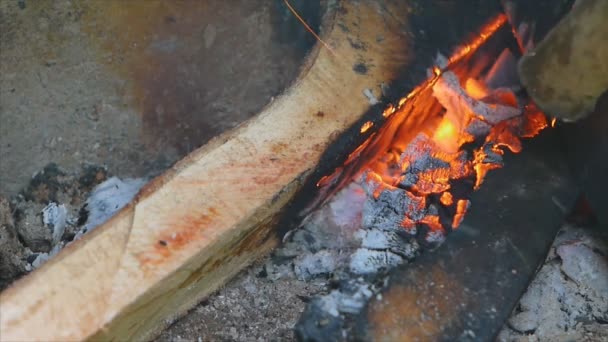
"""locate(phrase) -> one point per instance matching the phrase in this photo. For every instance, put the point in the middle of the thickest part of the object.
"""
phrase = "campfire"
(409, 181)
(408, 185)
(439, 142)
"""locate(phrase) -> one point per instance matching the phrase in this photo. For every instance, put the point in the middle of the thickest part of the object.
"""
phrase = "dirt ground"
(132, 85)
(255, 306)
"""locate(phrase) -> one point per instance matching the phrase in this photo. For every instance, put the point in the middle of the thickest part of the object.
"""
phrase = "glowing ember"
(446, 199)
(366, 126)
(439, 143)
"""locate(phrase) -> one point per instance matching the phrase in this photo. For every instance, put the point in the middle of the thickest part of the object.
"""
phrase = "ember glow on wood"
(440, 141)
(410, 183)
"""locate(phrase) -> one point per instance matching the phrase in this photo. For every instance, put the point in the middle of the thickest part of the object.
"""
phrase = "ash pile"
(408, 198)
(55, 209)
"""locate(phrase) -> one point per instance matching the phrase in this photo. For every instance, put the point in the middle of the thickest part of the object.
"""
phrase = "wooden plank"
(197, 225)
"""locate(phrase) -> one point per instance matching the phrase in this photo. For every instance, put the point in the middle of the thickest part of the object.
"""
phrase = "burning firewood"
(409, 185)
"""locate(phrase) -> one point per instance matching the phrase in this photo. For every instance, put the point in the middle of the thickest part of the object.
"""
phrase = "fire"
(476, 89)
(450, 131)
(446, 199)
(366, 126)
(446, 131)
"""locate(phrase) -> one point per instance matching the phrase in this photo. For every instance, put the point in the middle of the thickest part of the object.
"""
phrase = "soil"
(255, 306)
(26, 238)
(132, 85)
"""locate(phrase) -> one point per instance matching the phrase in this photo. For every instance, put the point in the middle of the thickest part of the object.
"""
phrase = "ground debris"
(13, 255)
(568, 299)
(54, 210)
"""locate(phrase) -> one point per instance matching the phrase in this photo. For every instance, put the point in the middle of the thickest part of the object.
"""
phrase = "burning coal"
(408, 185)
(437, 145)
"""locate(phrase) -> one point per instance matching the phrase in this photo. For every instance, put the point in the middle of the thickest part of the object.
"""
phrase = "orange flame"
(366, 126)
(419, 149)
(446, 199)
(486, 32)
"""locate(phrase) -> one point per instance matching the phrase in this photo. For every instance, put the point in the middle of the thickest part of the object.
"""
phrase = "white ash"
(435, 237)
(368, 262)
(390, 208)
(568, 298)
(42, 258)
(371, 98)
(457, 102)
(441, 62)
(478, 128)
(332, 227)
(333, 238)
(392, 241)
(55, 217)
(344, 244)
(312, 265)
(349, 300)
(425, 162)
(325, 314)
(491, 157)
(104, 201)
(107, 199)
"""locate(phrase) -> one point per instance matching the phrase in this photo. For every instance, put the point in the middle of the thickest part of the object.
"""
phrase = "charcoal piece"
(429, 238)
(432, 210)
(323, 318)
(45, 184)
(312, 265)
(478, 128)
(459, 104)
(390, 208)
(434, 238)
(398, 242)
(491, 157)
(28, 228)
(366, 261)
(408, 180)
(427, 162)
(302, 241)
(418, 152)
(318, 324)
(462, 188)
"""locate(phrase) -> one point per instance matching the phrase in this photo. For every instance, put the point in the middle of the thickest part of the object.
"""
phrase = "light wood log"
(213, 211)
